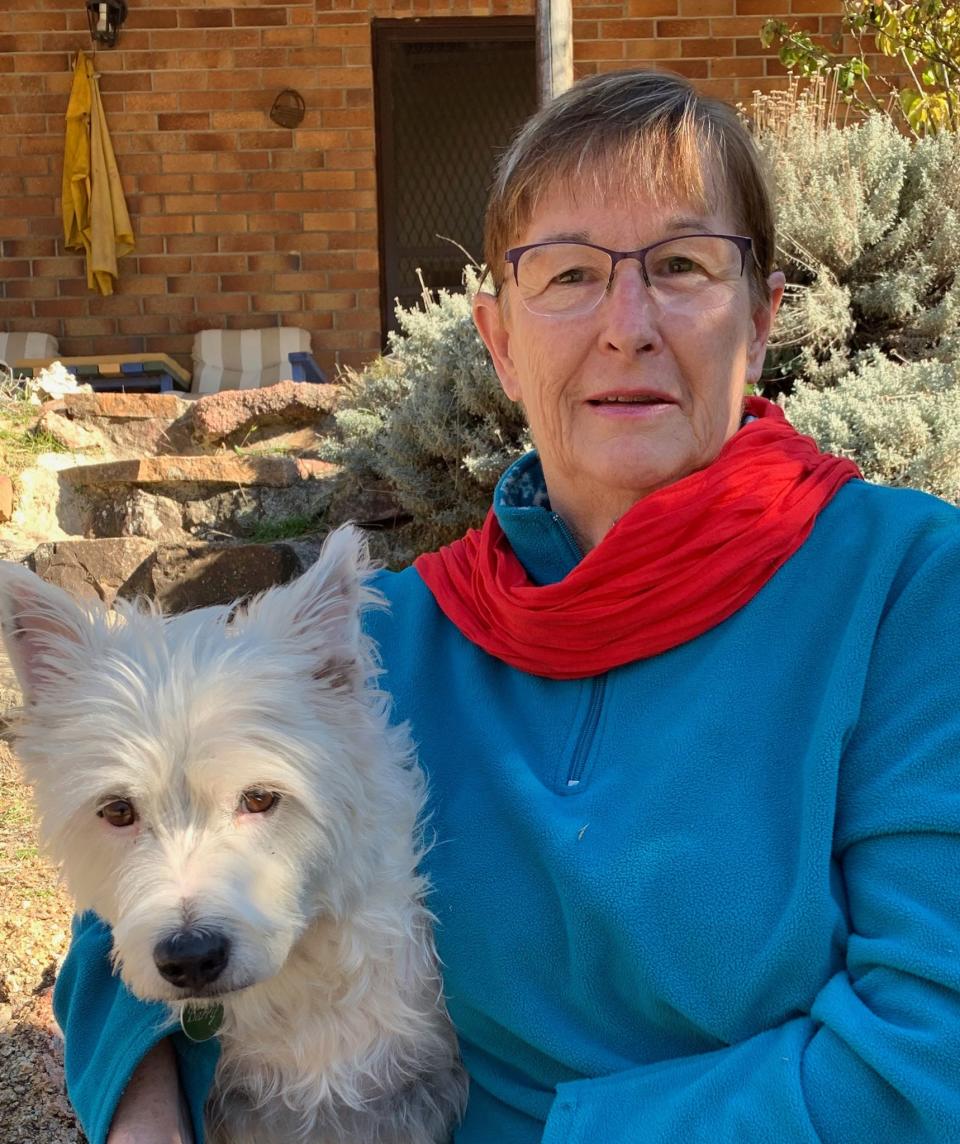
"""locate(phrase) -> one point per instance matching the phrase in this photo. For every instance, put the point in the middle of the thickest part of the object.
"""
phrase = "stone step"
(178, 576)
(292, 417)
(173, 472)
(177, 499)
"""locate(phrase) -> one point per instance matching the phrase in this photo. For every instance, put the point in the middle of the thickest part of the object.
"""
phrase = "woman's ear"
(490, 319)
(763, 316)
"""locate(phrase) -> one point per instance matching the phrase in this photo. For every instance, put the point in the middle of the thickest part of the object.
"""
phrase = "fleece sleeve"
(877, 1058)
(107, 1031)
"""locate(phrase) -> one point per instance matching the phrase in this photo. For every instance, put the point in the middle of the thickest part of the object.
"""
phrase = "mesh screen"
(451, 108)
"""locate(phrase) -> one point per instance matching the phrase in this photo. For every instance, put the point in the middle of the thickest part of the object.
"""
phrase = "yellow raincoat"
(95, 217)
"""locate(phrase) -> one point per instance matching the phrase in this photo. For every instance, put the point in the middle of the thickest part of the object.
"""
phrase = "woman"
(687, 702)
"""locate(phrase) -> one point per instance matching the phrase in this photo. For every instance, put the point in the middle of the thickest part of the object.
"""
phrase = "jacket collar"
(538, 536)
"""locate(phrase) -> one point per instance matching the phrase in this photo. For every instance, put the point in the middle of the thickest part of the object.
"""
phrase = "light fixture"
(105, 18)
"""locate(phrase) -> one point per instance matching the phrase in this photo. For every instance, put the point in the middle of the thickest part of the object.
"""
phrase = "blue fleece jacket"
(711, 897)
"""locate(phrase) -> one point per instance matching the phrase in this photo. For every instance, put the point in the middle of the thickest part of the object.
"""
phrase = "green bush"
(869, 235)
(429, 417)
(899, 422)
(868, 339)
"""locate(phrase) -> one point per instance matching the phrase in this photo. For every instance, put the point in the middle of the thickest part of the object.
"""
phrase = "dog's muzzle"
(192, 959)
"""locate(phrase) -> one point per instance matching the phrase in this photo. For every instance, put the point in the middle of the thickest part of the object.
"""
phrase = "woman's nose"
(630, 313)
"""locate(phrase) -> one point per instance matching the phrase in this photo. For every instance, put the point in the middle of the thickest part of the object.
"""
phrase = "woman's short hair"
(628, 129)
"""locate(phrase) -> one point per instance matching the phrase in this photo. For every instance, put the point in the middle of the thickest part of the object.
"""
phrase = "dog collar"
(201, 1023)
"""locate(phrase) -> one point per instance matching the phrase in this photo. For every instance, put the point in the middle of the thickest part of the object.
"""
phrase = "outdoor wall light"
(105, 18)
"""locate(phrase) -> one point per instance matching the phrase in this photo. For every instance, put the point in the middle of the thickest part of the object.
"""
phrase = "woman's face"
(680, 377)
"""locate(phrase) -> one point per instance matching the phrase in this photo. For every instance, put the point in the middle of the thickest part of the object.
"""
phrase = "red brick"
(246, 283)
(247, 242)
(165, 264)
(683, 29)
(224, 304)
(275, 303)
(190, 243)
(274, 262)
(205, 18)
(220, 263)
(220, 223)
(711, 48)
(193, 284)
(184, 121)
(259, 17)
(177, 224)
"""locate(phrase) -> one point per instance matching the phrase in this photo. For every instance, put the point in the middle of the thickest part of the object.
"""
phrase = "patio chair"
(251, 359)
(19, 347)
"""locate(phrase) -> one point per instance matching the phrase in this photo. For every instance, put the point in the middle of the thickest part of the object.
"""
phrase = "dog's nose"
(191, 959)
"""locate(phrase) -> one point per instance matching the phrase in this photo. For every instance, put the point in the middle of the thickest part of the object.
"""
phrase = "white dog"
(224, 788)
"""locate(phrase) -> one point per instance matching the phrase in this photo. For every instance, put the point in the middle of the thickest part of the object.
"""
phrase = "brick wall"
(241, 223)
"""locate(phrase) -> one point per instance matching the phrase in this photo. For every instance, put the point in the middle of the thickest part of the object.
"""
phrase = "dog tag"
(200, 1024)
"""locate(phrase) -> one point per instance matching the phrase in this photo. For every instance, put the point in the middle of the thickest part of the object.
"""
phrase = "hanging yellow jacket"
(95, 217)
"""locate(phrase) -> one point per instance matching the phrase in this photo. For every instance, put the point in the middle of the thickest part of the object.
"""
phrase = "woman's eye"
(256, 800)
(120, 812)
(570, 277)
(679, 265)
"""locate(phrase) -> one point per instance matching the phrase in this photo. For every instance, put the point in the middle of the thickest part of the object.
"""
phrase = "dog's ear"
(46, 634)
(319, 613)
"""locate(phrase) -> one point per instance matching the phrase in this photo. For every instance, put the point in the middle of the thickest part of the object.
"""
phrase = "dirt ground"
(34, 933)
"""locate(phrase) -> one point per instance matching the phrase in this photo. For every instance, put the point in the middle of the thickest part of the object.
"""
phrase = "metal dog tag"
(201, 1024)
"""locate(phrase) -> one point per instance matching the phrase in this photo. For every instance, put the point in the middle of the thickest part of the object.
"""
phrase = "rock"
(373, 504)
(151, 515)
(184, 577)
(224, 416)
(133, 424)
(6, 498)
(129, 406)
(220, 469)
(73, 435)
(94, 569)
(47, 507)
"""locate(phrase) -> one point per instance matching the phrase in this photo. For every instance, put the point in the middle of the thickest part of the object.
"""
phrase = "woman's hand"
(151, 1110)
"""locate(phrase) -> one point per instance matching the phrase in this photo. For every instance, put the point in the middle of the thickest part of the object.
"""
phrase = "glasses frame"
(513, 256)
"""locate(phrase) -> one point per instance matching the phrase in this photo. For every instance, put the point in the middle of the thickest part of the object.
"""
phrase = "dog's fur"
(334, 1027)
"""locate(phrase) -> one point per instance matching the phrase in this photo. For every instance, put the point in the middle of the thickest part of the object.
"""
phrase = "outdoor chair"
(251, 359)
(15, 348)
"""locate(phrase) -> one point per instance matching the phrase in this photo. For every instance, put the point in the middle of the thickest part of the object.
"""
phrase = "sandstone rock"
(198, 575)
(153, 516)
(94, 569)
(6, 498)
(73, 435)
(133, 424)
(48, 508)
(221, 469)
(129, 406)
(223, 416)
(371, 504)
(179, 577)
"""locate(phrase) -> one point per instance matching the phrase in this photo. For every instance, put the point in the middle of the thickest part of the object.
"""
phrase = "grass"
(283, 528)
(21, 442)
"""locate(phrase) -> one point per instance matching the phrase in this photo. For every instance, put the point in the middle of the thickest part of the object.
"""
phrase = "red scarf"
(678, 563)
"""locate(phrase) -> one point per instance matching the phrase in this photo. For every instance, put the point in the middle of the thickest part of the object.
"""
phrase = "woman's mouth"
(630, 403)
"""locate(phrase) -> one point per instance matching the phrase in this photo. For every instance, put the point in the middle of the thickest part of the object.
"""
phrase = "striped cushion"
(245, 359)
(17, 347)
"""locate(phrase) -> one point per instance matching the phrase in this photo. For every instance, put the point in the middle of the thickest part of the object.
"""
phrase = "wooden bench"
(141, 373)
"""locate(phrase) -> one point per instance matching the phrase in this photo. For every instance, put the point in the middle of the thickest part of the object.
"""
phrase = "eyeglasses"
(688, 274)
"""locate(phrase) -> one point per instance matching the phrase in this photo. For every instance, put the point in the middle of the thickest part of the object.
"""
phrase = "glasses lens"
(695, 273)
(562, 278)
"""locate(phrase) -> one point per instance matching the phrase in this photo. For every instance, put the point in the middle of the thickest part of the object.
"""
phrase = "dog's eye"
(120, 812)
(257, 800)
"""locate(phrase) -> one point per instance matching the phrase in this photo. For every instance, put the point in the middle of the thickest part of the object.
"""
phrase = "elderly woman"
(687, 701)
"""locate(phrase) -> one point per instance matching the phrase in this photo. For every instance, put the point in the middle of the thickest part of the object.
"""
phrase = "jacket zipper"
(588, 731)
(597, 688)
